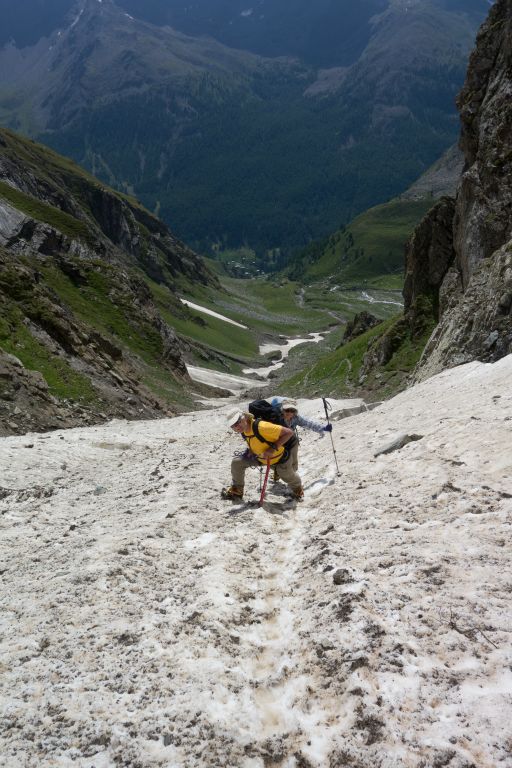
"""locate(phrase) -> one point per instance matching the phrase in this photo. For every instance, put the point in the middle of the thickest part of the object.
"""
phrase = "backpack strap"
(289, 443)
(256, 430)
(286, 447)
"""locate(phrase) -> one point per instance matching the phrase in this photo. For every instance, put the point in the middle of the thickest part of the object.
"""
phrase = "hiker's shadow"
(279, 489)
(277, 508)
(239, 509)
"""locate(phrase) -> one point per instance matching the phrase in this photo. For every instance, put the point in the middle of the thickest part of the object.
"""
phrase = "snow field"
(146, 622)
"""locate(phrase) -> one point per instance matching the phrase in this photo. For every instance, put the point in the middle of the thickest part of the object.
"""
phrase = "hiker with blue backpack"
(291, 418)
(268, 444)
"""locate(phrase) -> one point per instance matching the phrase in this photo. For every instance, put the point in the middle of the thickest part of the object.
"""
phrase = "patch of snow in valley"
(206, 311)
(227, 381)
(264, 372)
(237, 384)
(372, 300)
(284, 348)
(147, 622)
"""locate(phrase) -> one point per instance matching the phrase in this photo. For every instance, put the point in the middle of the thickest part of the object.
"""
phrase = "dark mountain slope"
(81, 338)
(326, 33)
(230, 148)
(323, 34)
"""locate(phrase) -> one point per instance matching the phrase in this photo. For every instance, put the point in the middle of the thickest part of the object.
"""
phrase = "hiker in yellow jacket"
(265, 442)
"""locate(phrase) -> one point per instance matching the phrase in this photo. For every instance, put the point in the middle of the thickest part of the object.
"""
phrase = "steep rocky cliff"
(475, 295)
(81, 336)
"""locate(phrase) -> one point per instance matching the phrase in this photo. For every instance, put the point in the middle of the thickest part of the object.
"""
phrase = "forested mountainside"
(82, 334)
(372, 245)
(231, 148)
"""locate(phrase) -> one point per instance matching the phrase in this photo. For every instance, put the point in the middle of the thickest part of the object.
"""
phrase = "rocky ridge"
(441, 179)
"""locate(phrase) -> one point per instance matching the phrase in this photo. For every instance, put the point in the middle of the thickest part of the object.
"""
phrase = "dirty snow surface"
(145, 622)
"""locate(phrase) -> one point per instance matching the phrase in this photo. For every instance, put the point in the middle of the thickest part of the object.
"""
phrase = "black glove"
(327, 428)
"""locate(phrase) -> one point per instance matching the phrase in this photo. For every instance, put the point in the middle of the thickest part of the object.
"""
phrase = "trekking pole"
(262, 495)
(327, 408)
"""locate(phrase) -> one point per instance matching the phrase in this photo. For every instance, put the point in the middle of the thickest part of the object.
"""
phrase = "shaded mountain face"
(81, 337)
(231, 148)
(325, 33)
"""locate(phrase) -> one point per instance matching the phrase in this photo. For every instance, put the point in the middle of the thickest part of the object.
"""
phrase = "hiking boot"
(298, 495)
(234, 492)
(275, 476)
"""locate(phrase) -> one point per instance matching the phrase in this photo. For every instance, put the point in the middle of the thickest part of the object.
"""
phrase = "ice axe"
(262, 495)
(327, 408)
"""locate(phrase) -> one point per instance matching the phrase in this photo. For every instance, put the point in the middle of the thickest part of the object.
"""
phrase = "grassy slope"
(264, 304)
(45, 213)
(371, 246)
(338, 373)
(62, 380)
(199, 327)
(46, 164)
(270, 307)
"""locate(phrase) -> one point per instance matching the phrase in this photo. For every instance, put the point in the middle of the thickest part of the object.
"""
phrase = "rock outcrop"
(428, 257)
(475, 295)
(477, 324)
(359, 324)
(441, 179)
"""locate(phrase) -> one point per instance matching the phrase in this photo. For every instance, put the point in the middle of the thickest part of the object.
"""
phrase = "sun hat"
(234, 416)
(289, 405)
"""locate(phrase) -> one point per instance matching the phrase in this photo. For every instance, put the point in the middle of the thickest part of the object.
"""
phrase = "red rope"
(262, 496)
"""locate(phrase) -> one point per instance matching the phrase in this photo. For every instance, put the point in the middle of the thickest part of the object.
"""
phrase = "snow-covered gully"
(145, 622)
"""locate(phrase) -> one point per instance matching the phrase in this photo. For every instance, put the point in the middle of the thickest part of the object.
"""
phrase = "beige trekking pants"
(285, 471)
(294, 454)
